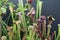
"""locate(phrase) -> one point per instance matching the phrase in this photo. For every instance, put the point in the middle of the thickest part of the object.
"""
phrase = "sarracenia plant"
(33, 29)
(17, 36)
(3, 25)
(20, 6)
(58, 36)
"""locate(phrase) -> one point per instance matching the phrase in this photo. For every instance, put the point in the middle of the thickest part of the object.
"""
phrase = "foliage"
(28, 24)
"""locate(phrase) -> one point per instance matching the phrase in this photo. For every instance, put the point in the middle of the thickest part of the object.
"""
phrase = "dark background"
(50, 7)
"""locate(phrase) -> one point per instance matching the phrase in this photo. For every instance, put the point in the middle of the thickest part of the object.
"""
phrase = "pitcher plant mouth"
(51, 18)
(29, 1)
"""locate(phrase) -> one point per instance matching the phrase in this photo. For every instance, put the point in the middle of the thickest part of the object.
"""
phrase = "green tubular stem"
(30, 36)
(20, 2)
(23, 14)
(18, 26)
(3, 23)
(55, 35)
(36, 37)
(10, 38)
(4, 29)
(59, 29)
(0, 3)
(17, 32)
(14, 28)
(37, 14)
(48, 33)
(58, 32)
(12, 16)
(3, 26)
(40, 8)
